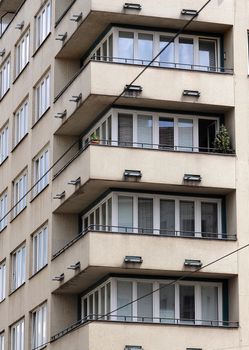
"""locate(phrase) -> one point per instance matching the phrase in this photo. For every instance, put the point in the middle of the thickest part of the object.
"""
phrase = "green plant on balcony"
(94, 138)
(222, 142)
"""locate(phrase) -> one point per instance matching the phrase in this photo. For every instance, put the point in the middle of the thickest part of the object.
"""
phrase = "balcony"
(100, 334)
(96, 176)
(96, 92)
(101, 253)
(97, 15)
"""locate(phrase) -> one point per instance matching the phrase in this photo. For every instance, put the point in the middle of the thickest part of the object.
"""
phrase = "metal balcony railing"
(147, 146)
(163, 64)
(137, 319)
(150, 232)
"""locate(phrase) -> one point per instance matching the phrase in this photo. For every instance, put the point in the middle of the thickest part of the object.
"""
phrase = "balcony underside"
(9, 6)
(97, 21)
(95, 104)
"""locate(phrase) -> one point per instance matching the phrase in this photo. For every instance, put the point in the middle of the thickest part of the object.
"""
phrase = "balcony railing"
(162, 64)
(149, 232)
(147, 146)
(137, 319)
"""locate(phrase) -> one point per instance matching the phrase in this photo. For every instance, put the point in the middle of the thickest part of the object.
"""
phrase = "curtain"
(125, 213)
(125, 129)
(209, 219)
(167, 303)
(167, 216)
(124, 296)
(144, 305)
(187, 218)
(144, 131)
(145, 214)
(209, 304)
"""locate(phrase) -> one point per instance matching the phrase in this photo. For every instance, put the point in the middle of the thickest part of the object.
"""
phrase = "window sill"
(20, 73)
(41, 117)
(13, 291)
(64, 13)
(2, 97)
(19, 142)
(37, 272)
(1, 301)
(4, 228)
(37, 194)
(20, 212)
(41, 45)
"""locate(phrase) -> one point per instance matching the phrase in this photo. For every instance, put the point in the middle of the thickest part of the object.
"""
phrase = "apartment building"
(114, 192)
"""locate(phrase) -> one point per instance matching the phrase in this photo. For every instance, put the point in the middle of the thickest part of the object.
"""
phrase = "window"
(5, 77)
(157, 214)
(17, 336)
(2, 281)
(2, 341)
(4, 143)
(20, 191)
(43, 23)
(22, 53)
(18, 267)
(140, 46)
(21, 122)
(42, 92)
(40, 249)
(164, 131)
(41, 176)
(3, 210)
(39, 326)
(185, 302)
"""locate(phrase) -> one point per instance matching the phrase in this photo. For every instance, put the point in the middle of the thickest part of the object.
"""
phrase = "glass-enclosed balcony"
(189, 52)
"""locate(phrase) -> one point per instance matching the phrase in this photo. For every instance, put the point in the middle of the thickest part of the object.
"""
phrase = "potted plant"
(222, 142)
(94, 138)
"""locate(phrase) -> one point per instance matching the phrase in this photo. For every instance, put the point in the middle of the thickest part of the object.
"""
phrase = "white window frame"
(98, 50)
(2, 281)
(22, 52)
(40, 170)
(20, 189)
(17, 335)
(18, 259)
(40, 249)
(43, 23)
(39, 326)
(21, 122)
(4, 143)
(5, 77)
(156, 307)
(3, 210)
(156, 211)
(42, 96)
(2, 341)
(113, 138)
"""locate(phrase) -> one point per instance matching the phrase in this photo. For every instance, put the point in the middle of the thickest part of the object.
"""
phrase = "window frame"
(4, 142)
(35, 325)
(5, 77)
(40, 171)
(21, 120)
(43, 29)
(20, 193)
(13, 333)
(37, 262)
(3, 280)
(2, 340)
(42, 92)
(22, 52)
(3, 210)
(17, 268)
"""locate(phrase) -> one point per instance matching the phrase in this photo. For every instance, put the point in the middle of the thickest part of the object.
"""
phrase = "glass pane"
(145, 215)
(187, 303)
(124, 296)
(91, 306)
(186, 53)
(185, 135)
(187, 218)
(126, 47)
(145, 48)
(144, 305)
(144, 131)
(209, 219)
(207, 56)
(209, 304)
(96, 304)
(167, 57)
(108, 299)
(125, 213)
(167, 217)
(125, 129)
(103, 216)
(102, 293)
(167, 303)
(166, 133)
